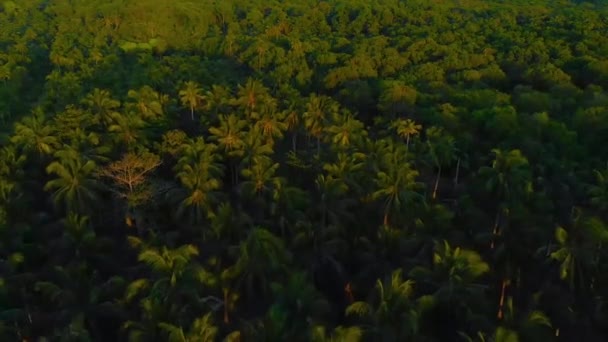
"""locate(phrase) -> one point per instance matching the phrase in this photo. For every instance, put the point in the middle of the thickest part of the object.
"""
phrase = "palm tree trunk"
(501, 302)
(349, 293)
(192, 113)
(407, 144)
(495, 231)
(437, 183)
(386, 218)
(457, 172)
(294, 140)
(226, 318)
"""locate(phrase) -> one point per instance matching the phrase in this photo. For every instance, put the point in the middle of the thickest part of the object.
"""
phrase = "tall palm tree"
(577, 248)
(346, 130)
(147, 102)
(170, 292)
(127, 129)
(200, 175)
(74, 184)
(339, 334)
(391, 315)
(260, 257)
(395, 182)
(250, 96)
(260, 177)
(229, 134)
(100, 103)
(406, 128)
(318, 109)
(35, 133)
(217, 99)
(191, 95)
(442, 151)
(599, 191)
(201, 330)
(272, 126)
(508, 179)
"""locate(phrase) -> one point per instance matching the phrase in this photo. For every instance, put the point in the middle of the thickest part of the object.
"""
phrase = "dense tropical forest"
(303, 170)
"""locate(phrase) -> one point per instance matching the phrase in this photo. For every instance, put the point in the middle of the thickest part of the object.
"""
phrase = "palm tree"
(346, 130)
(451, 283)
(406, 128)
(200, 175)
(201, 330)
(509, 179)
(260, 257)
(442, 151)
(191, 96)
(395, 182)
(340, 334)
(250, 96)
(254, 148)
(100, 103)
(34, 133)
(271, 126)
(577, 248)
(391, 315)
(81, 300)
(172, 290)
(147, 102)
(75, 185)
(229, 134)
(599, 191)
(127, 129)
(318, 109)
(217, 99)
(260, 177)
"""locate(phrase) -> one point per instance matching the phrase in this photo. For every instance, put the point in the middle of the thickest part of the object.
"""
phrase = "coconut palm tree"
(345, 130)
(509, 180)
(147, 103)
(442, 151)
(200, 175)
(260, 257)
(101, 104)
(318, 110)
(229, 135)
(272, 126)
(36, 134)
(339, 334)
(390, 315)
(170, 292)
(395, 182)
(201, 330)
(191, 95)
(127, 129)
(74, 186)
(250, 96)
(406, 128)
(599, 191)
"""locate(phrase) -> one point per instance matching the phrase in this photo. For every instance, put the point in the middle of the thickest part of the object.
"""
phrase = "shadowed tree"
(509, 180)
(390, 315)
(74, 185)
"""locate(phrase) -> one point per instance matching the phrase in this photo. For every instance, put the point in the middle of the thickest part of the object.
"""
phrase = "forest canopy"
(299, 170)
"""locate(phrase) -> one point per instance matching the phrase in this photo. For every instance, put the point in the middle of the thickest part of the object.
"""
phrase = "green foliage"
(457, 144)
